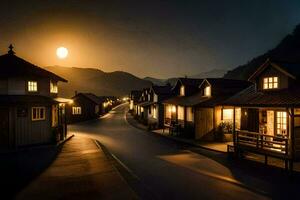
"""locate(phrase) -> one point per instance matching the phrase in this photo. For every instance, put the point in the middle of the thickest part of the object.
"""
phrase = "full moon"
(62, 52)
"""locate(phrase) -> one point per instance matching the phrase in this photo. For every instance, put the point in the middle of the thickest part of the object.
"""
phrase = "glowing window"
(228, 115)
(38, 113)
(53, 87)
(76, 110)
(270, 83)
(182, 91)
(207, 91)
(180, 113)
(32, 86)
(281, 121)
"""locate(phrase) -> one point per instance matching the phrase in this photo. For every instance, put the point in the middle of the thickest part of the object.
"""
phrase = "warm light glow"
(62, 52)
(227, 115)
(270, 83)
(173, 109)
(207, 91)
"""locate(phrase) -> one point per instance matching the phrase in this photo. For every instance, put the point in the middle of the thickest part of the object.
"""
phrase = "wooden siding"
(30, 132)
(203, 122)
(271, 72)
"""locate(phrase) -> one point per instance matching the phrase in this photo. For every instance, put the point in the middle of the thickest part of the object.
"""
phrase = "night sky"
(147, 38)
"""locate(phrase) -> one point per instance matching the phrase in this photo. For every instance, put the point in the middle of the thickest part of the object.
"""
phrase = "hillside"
(96, 81)
(287, 50)
(215, 73)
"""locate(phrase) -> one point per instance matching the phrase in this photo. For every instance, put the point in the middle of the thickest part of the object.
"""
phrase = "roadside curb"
(173, 138)
(64, 141)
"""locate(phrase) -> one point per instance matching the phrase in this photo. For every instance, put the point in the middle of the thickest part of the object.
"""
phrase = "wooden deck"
(263, 144)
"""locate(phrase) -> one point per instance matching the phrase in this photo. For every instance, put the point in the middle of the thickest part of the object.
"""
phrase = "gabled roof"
(290, 69)
(91, 97)
(190, 81)
(225, 88)
(162, 90)
(253, 98)
(14, 66)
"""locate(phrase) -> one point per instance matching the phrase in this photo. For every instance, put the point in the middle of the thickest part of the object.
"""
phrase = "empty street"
(164, 169)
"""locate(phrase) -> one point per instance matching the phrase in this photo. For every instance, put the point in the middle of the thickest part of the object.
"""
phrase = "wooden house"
(143, 105)
(134, 97)
(213, 121)
(85, 106)
(267, 115)
(178, 114)
(156, 109)
(29, 112)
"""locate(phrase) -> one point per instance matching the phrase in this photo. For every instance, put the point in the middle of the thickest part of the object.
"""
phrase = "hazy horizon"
(159, 39)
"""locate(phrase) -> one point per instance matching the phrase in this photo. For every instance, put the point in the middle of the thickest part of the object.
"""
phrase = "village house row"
(31, 113)
(261, 115)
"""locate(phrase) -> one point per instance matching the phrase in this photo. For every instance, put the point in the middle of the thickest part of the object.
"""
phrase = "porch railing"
(266, 144)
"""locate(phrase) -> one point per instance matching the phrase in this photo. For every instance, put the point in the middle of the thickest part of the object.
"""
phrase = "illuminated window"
(38, 113)
(207, 91)
(32, 86)
(281, 121)
(189, 114)
(53, 87)
(76, 110)
(180, 113)
(270, 83)
(228, 115)
(182, 91)
(142, 109)
(238, 112)
(154, 112)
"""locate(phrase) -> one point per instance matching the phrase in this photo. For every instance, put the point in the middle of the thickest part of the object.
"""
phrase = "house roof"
(222, 90)
(290, 69)
(14, 66)
(26, 99)
(252, 97)
(92, 97)
(190, 81)
(162, 90)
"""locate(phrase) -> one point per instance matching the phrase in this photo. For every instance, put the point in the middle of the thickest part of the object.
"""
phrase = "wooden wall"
(204, 124)
(30, 132)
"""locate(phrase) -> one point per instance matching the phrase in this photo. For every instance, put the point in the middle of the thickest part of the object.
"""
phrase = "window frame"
(53, 87)
(38, 110)
(76, 110)
(32, 86)
(268, 83)
(280, 123)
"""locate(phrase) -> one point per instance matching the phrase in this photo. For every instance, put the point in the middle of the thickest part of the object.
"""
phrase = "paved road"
(169, 170)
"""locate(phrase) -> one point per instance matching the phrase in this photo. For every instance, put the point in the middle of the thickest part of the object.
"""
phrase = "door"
(4, 128)
(203, 122)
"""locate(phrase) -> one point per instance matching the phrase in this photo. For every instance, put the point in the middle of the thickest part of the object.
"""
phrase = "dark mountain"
(215, 73)
(287, 50)
(155, 81)
(96, 81)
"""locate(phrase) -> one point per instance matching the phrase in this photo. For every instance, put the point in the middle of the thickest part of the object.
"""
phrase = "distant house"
(133, 100)
(200, 114)
(29, 112)
(143, 105)
(177, 113)
(85, 106)
(267, 119)
(155, 106)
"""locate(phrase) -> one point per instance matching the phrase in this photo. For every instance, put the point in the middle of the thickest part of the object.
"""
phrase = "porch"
(268, 145)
